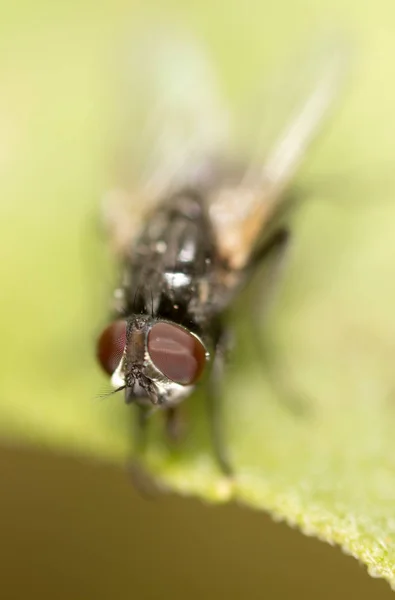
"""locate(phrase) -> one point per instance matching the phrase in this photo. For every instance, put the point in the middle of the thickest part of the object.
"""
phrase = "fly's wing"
(241, 212)
(171, 123)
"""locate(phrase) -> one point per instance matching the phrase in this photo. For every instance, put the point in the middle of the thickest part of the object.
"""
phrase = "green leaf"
(310, 433)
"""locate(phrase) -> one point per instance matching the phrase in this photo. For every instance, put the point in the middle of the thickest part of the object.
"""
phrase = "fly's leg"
(272, 258)
(174, 424)
(274, 250)
(141, 426)
(215, 404)
(142, 481)
(175, 428)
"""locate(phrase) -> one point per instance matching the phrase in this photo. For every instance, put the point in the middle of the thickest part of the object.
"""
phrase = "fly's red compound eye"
(176, 353)
(110, 346)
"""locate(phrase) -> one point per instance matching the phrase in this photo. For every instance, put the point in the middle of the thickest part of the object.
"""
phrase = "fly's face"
(152, 360)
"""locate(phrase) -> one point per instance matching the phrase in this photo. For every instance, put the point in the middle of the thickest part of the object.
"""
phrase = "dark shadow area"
(78, 531)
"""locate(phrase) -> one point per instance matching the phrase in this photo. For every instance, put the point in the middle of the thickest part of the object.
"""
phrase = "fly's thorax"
(171, 274)
(161, 360)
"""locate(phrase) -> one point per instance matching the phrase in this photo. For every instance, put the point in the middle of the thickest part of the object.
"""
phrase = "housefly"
(195, 213)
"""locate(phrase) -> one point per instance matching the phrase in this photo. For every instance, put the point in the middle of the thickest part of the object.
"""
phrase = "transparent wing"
(176, 131)
(171, 123)
(285, 124)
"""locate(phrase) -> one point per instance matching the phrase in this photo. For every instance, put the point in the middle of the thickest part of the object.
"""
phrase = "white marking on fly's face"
(176, 280)
(118, 378)
(170, 390)
(173, 392)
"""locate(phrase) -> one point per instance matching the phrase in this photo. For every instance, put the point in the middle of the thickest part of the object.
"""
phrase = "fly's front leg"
(143, 482)
(175, 430)
(174, 424)
(271, 258)
(272, 253)
(215, 403)
(141, 429)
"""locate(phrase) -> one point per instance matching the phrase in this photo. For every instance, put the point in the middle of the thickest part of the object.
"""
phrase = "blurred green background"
(72, 527)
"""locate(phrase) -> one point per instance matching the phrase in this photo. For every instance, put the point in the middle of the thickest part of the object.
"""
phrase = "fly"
(191, 221)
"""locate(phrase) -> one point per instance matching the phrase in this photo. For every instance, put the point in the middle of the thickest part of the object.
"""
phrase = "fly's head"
(152, 360)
